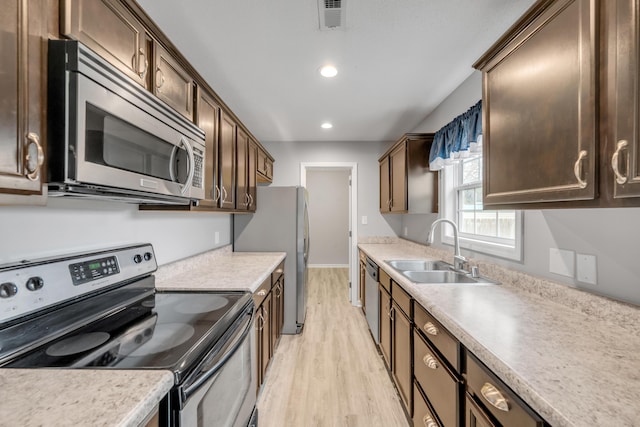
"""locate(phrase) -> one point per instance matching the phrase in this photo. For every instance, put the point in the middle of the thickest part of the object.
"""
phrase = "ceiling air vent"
(331, 14)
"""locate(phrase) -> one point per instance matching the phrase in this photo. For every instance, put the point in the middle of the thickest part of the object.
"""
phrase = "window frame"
(449, 201)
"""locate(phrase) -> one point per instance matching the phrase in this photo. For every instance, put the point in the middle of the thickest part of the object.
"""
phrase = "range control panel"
(87, 271)
(29, 286)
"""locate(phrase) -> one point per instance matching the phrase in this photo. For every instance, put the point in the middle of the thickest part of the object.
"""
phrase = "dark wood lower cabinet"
(423, 414)
(384, 317)
(401, 355)
(475, 416)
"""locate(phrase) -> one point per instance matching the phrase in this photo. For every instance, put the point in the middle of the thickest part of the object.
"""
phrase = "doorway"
(311, 173)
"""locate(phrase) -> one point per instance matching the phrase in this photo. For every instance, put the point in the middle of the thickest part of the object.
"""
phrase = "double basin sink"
(427, 271)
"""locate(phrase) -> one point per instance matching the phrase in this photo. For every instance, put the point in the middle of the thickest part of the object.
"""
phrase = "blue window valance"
(458, 139)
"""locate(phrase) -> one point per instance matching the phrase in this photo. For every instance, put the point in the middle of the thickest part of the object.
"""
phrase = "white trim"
(354, 269)
(448, 210)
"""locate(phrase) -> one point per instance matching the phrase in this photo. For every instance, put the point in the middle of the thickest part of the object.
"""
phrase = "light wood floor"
(331, 374)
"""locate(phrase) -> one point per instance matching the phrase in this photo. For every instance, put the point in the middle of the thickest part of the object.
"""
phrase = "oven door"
(221, 391)
(119, 144)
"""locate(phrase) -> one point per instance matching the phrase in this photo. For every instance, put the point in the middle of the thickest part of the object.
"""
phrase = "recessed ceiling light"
(326, 125)
(329, 71)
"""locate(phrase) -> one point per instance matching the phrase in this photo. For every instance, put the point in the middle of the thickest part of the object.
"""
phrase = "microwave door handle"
(205, 376)
(192, 165)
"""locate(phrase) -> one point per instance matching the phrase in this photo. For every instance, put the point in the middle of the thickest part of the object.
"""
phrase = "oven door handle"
(203, 377)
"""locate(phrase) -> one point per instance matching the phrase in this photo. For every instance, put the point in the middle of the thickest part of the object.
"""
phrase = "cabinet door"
(259, 325)
(267, 350)
(172, 83)
(208, 121)
(21, 111)
(401, 359)
(539, 101)
(362, 287)
(242, 185)
(384, 316)
(227, 159)
(623, 156)
(385, 192)
(110, 30)
(398, 160)
(252, 177)
(475, 416)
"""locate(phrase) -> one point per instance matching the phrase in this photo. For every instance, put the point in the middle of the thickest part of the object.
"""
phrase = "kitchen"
(606, 233)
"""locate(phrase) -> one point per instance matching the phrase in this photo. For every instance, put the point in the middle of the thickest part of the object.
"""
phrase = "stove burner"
(77, 344)
(202, 306)
(165, 336)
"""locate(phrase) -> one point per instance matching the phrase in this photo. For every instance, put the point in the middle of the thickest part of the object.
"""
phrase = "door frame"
(353, 215)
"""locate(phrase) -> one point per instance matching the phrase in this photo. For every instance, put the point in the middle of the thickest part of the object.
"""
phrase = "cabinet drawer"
(261, 293)
(493, 394)
(384, 280)
(440, 385)
(423, 416)
(401, 297)
(442, 340)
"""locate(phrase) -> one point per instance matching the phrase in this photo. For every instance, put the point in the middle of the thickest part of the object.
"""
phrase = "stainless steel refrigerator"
(280, 224)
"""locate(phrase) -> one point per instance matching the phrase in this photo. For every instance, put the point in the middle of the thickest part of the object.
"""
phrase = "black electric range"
(100, 310)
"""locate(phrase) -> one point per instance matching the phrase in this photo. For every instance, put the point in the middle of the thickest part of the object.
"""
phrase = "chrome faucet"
(459, 262)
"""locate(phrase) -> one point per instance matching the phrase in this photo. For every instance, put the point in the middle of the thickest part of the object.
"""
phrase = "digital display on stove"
(87, 271)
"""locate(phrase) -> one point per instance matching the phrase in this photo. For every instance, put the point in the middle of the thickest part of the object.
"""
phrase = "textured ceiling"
(397, 60)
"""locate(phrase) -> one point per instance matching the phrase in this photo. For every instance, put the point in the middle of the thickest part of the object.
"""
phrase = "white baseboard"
(328, 265)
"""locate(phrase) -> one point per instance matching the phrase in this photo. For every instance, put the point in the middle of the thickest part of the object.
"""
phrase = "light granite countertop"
(79, 397)
(573, 357)
(219, 269)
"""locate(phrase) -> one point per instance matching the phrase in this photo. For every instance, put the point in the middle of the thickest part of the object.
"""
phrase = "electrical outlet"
(562, 262)
(406, 232)
(216, 237)
(586, 269)
(364, 220)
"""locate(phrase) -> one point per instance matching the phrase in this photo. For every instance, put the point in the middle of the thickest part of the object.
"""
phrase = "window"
(492, 232)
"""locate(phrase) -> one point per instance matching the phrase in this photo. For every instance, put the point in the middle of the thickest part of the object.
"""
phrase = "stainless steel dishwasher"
(372, 299)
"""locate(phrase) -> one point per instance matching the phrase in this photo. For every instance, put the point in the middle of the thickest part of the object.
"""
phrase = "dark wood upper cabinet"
(539, 99)
(621, 30)
(242, 165)
(264, 166)
(112, 31)
(209, 122)
(252, 174)
(22, 90)
(406, 183)
(172, 83)
(227, 161)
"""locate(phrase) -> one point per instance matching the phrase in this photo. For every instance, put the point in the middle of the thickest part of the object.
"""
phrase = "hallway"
(331, 375)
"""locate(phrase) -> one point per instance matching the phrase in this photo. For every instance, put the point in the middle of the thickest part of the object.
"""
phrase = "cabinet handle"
(159, 78)
(430, 361)
(216, 194)
(224, 194)
(141, 56)
(429, 421)
(622, 144)
(430, 328)
(262, 322)
(278, 291)
(33, 165)
(261, 293)
(266, 314)
(250, 200)
(577, 169)
(494, 397)
(392, 313)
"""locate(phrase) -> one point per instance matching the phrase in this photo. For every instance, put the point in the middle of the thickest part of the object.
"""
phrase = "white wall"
(612, 235)
(289, 155)
(65, 226)
(328, 217)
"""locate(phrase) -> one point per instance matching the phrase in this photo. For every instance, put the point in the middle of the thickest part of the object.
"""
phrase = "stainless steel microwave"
(110, 138)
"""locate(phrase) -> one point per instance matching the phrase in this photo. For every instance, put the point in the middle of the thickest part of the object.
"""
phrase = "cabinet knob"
(494, 397)
(430, 328)
(428, 421)
(430, 361)
(159, 78)
(142, 59)
(261, 293)
(622, 144)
